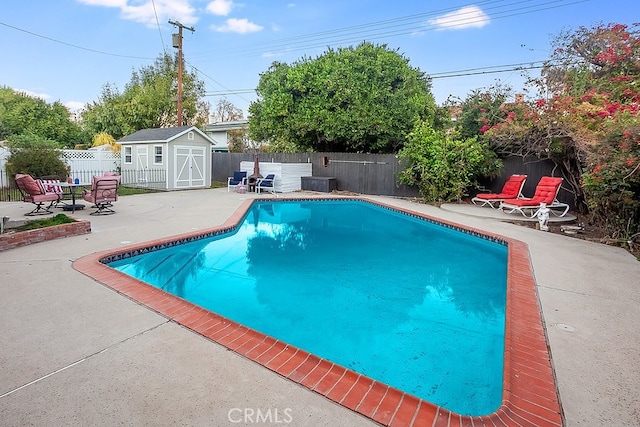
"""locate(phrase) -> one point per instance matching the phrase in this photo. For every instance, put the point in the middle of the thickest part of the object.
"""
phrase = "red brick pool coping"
(530, 395)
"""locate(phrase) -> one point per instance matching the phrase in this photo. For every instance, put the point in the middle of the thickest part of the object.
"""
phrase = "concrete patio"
(77, 353)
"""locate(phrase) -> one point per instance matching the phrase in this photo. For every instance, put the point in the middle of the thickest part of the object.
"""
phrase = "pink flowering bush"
(588, 124)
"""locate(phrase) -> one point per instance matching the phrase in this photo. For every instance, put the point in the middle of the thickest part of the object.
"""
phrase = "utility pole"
(177, 43)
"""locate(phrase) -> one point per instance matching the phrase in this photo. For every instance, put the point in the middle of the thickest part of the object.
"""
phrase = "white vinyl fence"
(97, 161)
(4, 155)
(79, 160)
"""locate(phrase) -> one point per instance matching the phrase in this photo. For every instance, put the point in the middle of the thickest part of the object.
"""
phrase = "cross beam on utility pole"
(177, 43)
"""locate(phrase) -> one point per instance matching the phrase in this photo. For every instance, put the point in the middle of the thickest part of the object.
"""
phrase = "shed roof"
(160, 135)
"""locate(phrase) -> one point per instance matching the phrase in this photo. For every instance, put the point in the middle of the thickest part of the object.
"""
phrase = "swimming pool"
(402, 300)
(529, 394)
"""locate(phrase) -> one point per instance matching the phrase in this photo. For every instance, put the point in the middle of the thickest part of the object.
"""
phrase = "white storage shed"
(175, 158)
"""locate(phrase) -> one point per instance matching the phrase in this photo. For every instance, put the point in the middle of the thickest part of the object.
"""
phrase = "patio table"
(72, 186)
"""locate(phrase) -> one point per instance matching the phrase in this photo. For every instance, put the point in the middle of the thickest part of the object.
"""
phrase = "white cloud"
(466, 17)
(275, 53)
(143, 11)
(43, 96)
(220, 7)
(106, 3)
(74, 106)
(241, 26)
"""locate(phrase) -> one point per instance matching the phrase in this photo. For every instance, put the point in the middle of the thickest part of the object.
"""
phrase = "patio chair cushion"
(32, 186)
(544, 194)
(510, 190)
(51, 186)
(238, 176)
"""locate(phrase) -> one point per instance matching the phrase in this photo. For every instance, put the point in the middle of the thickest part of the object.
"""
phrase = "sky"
(68, 50)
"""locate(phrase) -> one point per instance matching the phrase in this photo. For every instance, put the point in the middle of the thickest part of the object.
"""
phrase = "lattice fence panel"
(83, 160)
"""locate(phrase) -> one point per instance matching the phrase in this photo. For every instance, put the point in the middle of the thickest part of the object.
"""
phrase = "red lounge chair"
(512, 189)
(103, 193)
(33, 191)
(546, 192)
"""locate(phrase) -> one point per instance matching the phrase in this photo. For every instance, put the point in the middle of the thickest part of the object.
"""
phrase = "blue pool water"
(410, 303)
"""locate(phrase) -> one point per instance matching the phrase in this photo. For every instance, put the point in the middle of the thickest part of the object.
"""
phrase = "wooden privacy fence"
(374, 174)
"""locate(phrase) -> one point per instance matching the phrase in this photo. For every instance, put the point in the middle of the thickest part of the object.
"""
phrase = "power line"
(71, 44)
(349, 30)
(230, 92)
(442, 75)
(155, 12)
(513, 67)
(387, 28)
(373, 30)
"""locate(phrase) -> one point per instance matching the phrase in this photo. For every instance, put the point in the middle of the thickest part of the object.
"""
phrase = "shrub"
(612, 184)
(444, 167)
(35, 156)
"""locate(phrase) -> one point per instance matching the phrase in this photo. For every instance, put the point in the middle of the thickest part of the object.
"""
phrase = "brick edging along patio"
(14, 240)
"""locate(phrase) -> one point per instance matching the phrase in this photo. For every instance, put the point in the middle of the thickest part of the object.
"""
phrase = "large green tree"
(362, 99)
(21, 114)
(147, 101)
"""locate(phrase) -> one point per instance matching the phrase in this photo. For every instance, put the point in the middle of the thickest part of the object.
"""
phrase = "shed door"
(142, 164)
(189, 166)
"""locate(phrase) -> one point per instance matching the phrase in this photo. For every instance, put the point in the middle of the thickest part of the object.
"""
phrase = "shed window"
(157, 154)
(190, 136)
(127, 155)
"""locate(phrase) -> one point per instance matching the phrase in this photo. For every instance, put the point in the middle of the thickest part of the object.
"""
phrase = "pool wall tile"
(530, 396)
